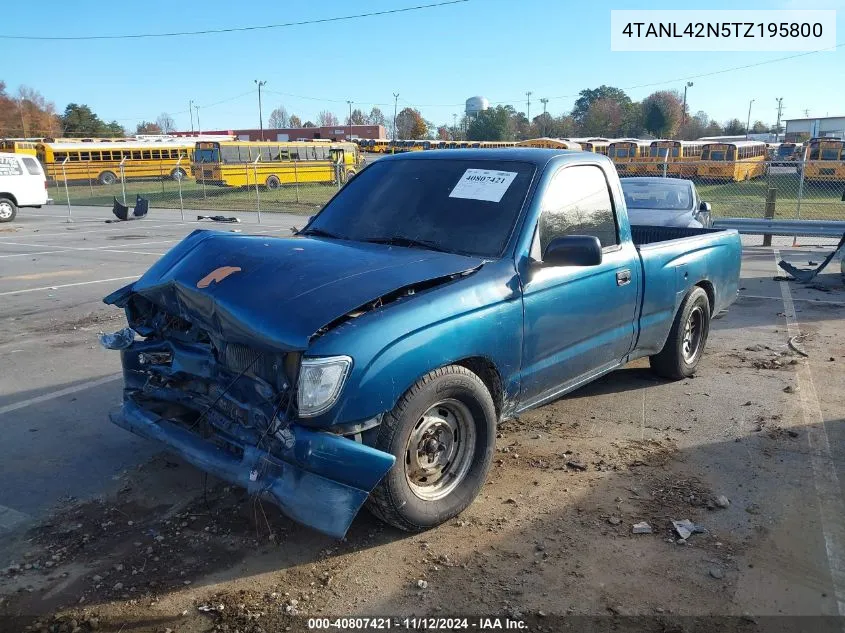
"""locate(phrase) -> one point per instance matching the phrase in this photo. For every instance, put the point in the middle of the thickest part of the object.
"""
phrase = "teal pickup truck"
(369, 357)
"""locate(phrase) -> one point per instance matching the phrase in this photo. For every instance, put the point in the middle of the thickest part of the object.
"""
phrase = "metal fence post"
(179, 180)
(800, 197)
(67, 192)
(296, 180)
(90, 184)
(123, 177)
(771, 201)
(257, 196)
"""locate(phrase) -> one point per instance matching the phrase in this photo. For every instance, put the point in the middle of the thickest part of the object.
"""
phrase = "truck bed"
(642, 235)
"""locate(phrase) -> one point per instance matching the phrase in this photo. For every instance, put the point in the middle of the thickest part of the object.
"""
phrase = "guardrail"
(800, 228)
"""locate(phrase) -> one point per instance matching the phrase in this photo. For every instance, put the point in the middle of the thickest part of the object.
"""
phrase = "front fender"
(393, 347)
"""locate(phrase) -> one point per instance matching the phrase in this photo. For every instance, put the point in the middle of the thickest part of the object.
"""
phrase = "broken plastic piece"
(687, 528)
(218, 218)
(806, 276)
(121, 211)
(119, 340)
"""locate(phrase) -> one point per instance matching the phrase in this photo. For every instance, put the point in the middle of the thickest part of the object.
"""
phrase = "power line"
(234, 29)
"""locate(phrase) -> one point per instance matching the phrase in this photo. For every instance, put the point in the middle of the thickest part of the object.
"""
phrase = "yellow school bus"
(676, 158)
(549, 143)
(740, 160)
(825, 159)
(18, 146)
(101, 161)
(240, 163)
(628, 155)
(597, 145)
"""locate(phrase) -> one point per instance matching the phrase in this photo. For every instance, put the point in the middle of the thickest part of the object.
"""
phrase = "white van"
(22, 184)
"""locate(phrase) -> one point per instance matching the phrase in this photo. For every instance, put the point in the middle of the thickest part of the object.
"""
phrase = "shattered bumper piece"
(322, 480)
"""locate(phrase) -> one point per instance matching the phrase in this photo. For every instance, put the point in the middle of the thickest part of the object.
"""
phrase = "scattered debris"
(219, 218)
(422, 584)
(577, 465)
(794, 346)
(790, 389)
(717, 573)
(641, 528)
(614, 520)
(121, 211)
(687, 528)
(722, 501)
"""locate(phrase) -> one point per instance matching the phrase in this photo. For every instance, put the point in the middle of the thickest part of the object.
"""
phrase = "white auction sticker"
(483, 184)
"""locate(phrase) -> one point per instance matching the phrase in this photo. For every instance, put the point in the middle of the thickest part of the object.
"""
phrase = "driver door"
(579, 321)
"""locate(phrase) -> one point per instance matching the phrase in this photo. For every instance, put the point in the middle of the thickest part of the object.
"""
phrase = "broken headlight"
(320, 383)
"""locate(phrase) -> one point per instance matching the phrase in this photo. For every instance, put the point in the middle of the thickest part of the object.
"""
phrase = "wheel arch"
(10, 196)
(707, 286)
(489, 374)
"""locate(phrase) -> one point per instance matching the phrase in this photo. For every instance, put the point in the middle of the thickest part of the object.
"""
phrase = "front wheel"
(107, 178)
(273, 182)
(443, 434)
(683, 348)
(8, 210)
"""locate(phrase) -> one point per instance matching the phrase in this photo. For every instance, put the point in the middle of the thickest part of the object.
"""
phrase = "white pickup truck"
(22, 184)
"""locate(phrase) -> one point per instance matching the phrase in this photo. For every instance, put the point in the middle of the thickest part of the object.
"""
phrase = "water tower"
(475, 105)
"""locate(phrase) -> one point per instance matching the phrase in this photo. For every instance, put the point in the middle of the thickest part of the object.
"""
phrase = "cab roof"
(535, 155)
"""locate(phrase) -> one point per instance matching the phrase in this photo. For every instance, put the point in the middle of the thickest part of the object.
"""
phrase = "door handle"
(623, 277)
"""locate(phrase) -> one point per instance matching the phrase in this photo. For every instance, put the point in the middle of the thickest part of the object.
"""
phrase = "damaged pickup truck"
(369, 357)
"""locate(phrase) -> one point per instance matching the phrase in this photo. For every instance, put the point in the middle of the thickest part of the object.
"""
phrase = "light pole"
(528, 107)
(689, 84)
(199, 127)
(260, 115)
(349, 121)
(544, 101)
(748, 120)
(191, 113)
(777, 125)
(454, 127)
(395, 103)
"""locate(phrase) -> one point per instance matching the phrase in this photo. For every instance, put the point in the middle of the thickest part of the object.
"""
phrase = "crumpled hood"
(277, 292)
(662, 217)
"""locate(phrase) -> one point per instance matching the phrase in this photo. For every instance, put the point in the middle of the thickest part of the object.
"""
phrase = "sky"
(433, 58)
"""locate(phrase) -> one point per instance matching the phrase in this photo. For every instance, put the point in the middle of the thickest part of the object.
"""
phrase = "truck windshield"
(669, 196)
(459, 206)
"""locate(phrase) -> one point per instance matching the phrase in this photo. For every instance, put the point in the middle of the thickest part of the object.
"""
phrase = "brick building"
(334, 133)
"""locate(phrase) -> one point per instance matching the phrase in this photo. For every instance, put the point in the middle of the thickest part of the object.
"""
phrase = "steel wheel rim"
(440, 449)
(693, 331)
(5, 210)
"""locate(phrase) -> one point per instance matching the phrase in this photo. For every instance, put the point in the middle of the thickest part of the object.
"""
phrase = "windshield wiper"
(401, 240)
(320, 233)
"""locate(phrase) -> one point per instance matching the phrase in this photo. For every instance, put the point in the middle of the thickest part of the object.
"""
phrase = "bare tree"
(294, 121)
(166, 123)
(326, 119)
(279, 117)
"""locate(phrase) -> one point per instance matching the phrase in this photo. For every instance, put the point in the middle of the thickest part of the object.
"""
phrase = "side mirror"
(573, 250)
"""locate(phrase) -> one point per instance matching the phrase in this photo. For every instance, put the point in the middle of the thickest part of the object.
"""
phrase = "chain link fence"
(775, 189)
(300, 188)
(795, 190)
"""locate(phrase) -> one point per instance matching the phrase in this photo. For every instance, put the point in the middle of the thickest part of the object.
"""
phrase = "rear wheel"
(8, 210)
(107, 178)
(442, 433)
(273, 182)
(178, 174)
(683, 348)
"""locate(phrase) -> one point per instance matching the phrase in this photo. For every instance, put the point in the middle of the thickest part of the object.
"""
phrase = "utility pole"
(684, 113)
(544, 101)
(23, 122)
(199, 127)
(454, 127)
(191, 114)
(748, 121)
(528, 107)
(349, 122)
(260, 115)
(395, 104)
(777, 125)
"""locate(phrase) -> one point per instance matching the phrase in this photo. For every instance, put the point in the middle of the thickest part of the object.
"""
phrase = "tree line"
(603, 111)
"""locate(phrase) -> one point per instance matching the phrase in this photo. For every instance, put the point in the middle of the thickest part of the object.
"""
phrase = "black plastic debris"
(806, 276)
(218, 218)
(121, 211)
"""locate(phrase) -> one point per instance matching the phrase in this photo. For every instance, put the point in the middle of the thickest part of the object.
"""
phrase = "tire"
(349, 175)
(107, 178)
(685, 344)
(273, 182)
(8, 210)
(178, 174)
(412, 499)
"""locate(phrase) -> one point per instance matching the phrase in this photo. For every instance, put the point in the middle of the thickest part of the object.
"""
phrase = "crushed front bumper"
(321, 480)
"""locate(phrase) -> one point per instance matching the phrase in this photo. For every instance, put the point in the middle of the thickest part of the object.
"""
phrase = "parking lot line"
(828, 491)
(47, 275)
(78, 283)
(833, 303)
(58, 394)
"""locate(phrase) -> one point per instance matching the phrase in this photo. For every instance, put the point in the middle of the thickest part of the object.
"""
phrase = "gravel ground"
(100, 531)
